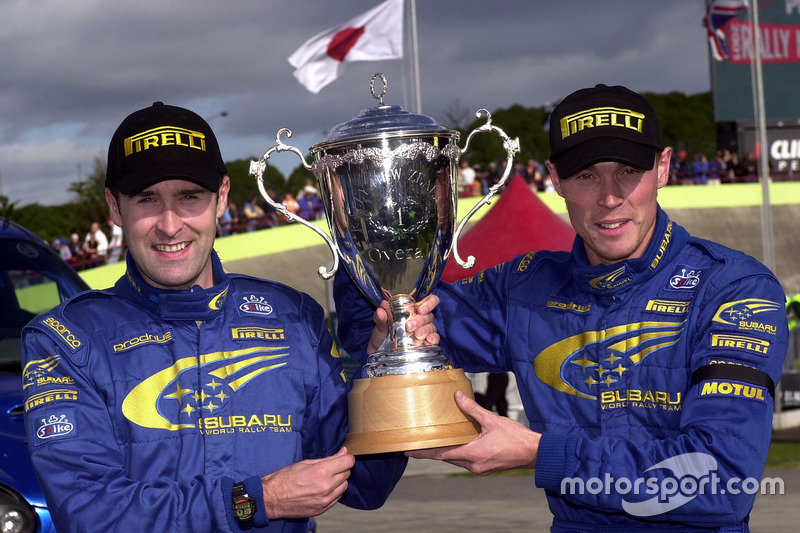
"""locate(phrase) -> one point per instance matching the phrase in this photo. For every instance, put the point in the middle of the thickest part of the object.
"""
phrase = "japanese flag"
(371, 36)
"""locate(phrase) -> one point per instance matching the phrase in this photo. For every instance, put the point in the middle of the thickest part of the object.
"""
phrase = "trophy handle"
(512, 148)
(257, 169)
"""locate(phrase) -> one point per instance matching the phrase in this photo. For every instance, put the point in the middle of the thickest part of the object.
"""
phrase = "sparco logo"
(62, 331)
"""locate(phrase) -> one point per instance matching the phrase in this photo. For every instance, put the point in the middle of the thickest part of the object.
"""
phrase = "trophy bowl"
(388, 184)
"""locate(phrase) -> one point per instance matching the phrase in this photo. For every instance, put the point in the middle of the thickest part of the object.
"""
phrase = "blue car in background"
(33, 279)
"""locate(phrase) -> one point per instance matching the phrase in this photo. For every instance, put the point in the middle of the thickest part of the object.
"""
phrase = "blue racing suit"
(145, 406)
(651, 380)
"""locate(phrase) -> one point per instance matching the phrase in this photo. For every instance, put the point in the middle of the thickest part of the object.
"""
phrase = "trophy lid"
(382, 121)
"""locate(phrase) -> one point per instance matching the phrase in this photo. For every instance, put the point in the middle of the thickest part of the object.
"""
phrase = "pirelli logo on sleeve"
(723, 341)
(165, 136)
(50, 396)
(601, 116)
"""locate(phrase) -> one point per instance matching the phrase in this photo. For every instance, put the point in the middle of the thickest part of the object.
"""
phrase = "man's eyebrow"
(193, 190)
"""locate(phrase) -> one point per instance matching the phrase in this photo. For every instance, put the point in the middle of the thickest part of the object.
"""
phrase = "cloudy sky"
(71, 71)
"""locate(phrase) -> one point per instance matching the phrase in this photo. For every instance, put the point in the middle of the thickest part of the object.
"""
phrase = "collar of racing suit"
(189, 304)
(668, 239)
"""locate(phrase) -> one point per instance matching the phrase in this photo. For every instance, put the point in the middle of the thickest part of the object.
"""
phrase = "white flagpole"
(415, 59)
(761, 123)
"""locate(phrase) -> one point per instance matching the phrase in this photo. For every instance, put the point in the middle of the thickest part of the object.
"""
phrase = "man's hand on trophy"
(420, 325)
(307, 488)
(503, 444)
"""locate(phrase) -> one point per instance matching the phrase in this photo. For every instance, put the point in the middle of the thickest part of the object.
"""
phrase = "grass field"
(784, 455)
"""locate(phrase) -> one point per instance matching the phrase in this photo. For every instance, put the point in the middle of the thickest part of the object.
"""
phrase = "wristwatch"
(244, 506)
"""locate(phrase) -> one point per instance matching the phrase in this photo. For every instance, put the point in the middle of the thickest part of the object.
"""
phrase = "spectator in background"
(466, 179)
(75, 247)
(229, 221)
(233, 209)
(305, 209)
(681, 169)
(309, 188)
(225, 222)
(115, 249)
(95, 244)
(519, 170)
(749, 168)
(500, 169)
(491, 176)
(253, 214)
(548, 183)
(291, 203)
(700, 169)
(309, 204)
(717, 168)
(270, 213)
(734, 168)
(535, 175)
(60, 245)
(76, 251)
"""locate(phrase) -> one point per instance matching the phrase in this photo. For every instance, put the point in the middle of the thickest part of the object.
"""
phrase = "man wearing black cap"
(646, 358)
(185, 398)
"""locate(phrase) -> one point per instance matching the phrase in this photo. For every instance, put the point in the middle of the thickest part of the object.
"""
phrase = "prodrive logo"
(673, 482)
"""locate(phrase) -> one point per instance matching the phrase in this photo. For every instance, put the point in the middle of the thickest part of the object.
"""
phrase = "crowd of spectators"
(725, 167)
(99, 248)
(257, 213)
(95, 249)
(475, 180)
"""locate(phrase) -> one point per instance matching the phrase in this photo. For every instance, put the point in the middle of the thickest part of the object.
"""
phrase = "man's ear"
(663, 166)
(222, 195)
(551, 168)
(113, 207)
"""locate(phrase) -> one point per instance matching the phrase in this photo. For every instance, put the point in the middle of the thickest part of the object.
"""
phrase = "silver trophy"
(388, 180)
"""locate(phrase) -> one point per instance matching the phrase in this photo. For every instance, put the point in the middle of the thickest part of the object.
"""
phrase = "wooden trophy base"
(395, 413)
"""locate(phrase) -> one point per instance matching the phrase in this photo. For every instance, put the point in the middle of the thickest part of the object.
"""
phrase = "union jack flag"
(719, 13)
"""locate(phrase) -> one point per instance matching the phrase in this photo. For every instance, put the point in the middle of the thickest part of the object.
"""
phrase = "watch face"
(244, 508)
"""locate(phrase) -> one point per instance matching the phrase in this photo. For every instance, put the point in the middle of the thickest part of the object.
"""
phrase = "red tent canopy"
(517, 223)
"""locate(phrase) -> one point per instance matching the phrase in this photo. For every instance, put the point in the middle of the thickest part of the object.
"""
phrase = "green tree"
(6, 207)
(53, 222)
(90, 195)
(525, 124)
(299, 177)
(244, 186)
(687, 122)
